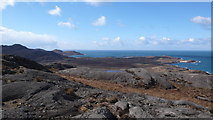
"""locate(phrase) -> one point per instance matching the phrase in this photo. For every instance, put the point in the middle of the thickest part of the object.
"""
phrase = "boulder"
(121, 104)
(138, 112)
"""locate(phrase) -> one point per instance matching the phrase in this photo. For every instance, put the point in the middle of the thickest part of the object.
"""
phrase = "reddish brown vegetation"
(180, 93)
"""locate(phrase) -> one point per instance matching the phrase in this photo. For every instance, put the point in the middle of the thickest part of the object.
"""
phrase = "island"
(48, 84)
(67, 53)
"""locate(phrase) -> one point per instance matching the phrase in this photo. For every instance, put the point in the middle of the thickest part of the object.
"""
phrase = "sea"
(203, 57)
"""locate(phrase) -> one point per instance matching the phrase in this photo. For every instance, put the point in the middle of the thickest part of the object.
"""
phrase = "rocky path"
(180, 93)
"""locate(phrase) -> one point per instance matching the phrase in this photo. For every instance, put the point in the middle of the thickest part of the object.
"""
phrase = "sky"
(107, 26)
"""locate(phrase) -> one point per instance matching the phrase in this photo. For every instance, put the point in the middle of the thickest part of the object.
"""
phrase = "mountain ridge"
(37, 55)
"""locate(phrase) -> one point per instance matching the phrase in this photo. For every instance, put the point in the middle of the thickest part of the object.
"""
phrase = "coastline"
(182, 60)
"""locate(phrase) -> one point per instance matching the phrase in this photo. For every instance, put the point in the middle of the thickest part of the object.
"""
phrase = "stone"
(138, 112)
(121, 104)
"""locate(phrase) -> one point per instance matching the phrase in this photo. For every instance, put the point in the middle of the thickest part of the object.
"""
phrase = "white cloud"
(105, 41)
(10, 36)
(166, 38)
(154, 40)
(113, 41)
(5, 3)
(105, 38)
(49, 42)
(34, 40)
(201, 20)
(205, 22)
(194, 41)
(92, 3)
(56, 11)
(95, 2)
(142, 38)
(117, 39)
(191, 40)
(66, 24)
(163, 43)
(100, 21)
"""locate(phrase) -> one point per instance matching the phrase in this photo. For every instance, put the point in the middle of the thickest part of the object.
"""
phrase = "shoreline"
(173, 64)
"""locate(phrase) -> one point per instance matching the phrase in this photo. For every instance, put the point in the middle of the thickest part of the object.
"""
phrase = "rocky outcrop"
(150, 79)
(135, 77)
(190, 79)
(38, 94)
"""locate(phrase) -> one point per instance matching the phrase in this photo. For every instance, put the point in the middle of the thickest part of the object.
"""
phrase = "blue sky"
(108, 26)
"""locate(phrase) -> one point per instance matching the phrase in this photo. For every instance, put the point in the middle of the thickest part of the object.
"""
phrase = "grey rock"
(99, 74)
(192, 79)
(150, 78)
(142, 73)
(184, 102)
(35, 75)
(169, 114)
(163, 82)
(198, 80)
(121, 104)
(132, 76)
(102, 112)
(188, 112)
(18, 90)
(138, 112)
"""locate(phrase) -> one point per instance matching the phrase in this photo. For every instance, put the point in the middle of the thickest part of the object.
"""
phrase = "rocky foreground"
(108, 88)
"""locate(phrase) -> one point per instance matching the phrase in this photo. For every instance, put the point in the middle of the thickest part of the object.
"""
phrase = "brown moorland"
(180, 93)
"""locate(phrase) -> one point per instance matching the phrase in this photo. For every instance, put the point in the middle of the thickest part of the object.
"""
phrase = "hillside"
(37, 55)
(14, 64)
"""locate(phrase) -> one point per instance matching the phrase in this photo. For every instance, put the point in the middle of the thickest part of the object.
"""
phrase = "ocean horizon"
(204, 57)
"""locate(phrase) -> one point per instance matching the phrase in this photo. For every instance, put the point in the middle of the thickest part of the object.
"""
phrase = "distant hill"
(37, 55)
(66, 53)
(11, 64)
